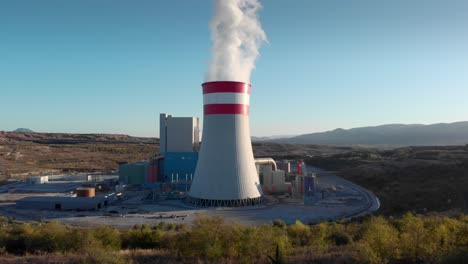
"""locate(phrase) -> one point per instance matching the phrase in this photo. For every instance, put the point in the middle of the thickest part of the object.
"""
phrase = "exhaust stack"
(226, 174)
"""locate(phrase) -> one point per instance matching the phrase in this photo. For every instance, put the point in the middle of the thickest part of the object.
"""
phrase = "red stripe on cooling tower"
(226, 87)
(226, 109)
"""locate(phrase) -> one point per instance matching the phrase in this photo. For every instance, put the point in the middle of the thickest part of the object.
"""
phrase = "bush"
(374, 240)
(143, 237)
(279, 223)
(211, 239)
(108, 237)
(340, 238)
(299, 234)
(95, 252)
(319, 237)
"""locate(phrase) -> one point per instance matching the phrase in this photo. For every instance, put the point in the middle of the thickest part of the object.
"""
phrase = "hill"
(420, 179)
(43, 153)
(389, 135)
(23, 130)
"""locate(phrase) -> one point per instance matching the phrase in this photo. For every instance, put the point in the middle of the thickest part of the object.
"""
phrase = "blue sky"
(112, 66)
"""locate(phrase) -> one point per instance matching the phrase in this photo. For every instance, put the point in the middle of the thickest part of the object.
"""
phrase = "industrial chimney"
(226, 174)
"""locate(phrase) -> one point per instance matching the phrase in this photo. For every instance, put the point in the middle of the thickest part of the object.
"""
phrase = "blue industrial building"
(178, 165)
(175, 164)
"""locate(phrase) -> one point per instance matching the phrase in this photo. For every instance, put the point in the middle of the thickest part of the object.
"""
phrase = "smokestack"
(226, 174)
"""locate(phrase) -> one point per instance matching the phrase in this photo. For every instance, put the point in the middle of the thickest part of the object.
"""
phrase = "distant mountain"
(23, 130)
(390, 135)
(269, 138)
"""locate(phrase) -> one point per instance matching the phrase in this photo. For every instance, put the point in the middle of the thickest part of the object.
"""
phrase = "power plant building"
(177, 158)
(224, 172)
(60, 203)
(178, 134)
(133, 173)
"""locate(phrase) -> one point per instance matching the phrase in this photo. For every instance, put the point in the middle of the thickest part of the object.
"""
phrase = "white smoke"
(236, 35)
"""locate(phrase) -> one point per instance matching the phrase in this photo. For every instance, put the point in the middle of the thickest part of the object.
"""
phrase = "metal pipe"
(266, 161)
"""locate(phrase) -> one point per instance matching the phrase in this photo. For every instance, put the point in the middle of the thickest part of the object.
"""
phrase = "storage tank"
(85, 192)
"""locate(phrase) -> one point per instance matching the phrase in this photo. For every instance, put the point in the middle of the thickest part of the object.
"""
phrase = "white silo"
(226, 173)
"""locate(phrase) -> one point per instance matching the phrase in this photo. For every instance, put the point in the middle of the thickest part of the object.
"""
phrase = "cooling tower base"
(224, 203)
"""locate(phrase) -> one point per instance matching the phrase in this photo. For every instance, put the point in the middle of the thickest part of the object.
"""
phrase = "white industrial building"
(184, 134)
(274, 182)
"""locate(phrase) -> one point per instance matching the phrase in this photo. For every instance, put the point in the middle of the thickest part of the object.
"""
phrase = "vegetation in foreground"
(409, 239)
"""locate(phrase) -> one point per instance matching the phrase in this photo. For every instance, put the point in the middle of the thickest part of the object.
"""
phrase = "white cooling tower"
(226, 174)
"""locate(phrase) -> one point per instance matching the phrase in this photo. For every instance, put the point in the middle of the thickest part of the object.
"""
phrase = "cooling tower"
(226, 174)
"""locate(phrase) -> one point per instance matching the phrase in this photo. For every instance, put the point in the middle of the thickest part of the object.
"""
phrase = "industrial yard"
(342, 199)
(181, 182)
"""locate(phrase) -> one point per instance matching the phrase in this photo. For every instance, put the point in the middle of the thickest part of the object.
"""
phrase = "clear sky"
(111, 66)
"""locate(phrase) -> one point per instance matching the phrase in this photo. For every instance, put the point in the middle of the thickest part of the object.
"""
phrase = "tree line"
(410, 238)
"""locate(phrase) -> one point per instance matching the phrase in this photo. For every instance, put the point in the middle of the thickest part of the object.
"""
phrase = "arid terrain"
(420, 179)
(23, 154)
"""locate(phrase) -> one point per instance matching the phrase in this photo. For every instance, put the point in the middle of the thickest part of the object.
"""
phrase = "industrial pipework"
(266, 161)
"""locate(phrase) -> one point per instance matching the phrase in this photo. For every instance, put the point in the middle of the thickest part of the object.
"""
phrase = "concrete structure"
(273, 181)
(60, 203)
(284, 166)
(226, 173)
(178, 134)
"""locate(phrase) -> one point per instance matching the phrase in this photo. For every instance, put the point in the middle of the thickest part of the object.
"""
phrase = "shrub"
(279, 223)
(299, 234)
(143, 237)
(95, 252)
(340, 238)
(108, 237)
(319, 235)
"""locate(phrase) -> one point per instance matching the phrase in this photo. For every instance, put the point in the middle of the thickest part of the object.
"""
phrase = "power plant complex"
(188, 177)
(222, 170)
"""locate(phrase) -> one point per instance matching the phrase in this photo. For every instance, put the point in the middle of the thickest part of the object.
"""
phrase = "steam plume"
(236, 35)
